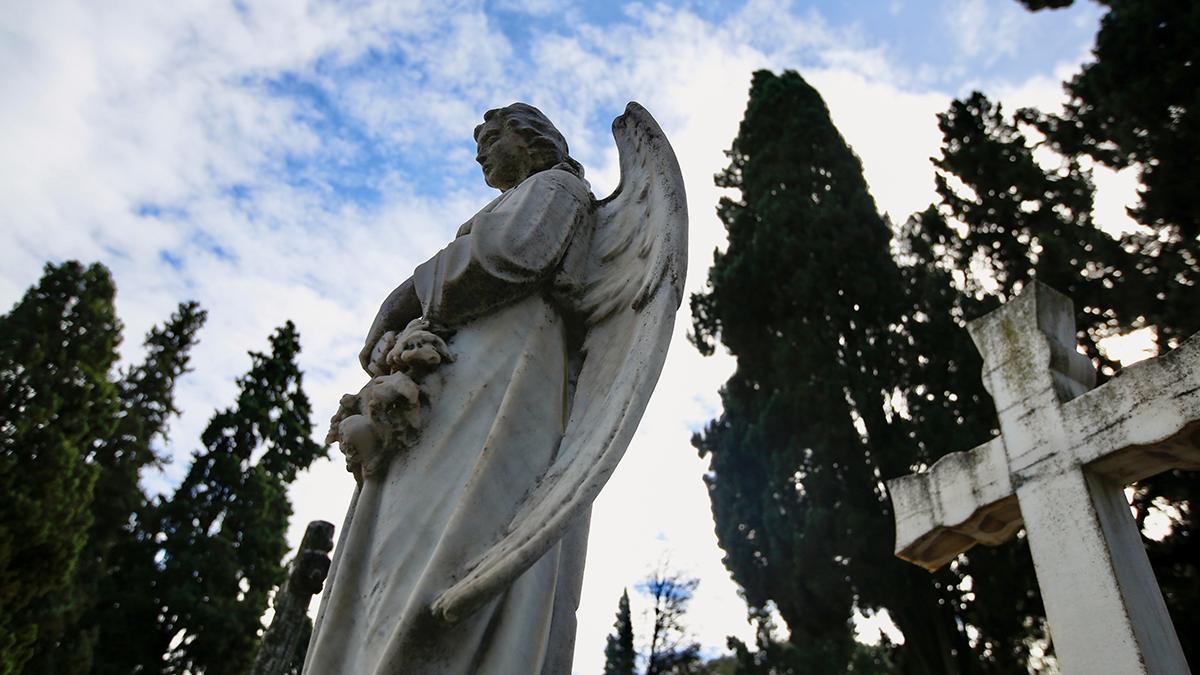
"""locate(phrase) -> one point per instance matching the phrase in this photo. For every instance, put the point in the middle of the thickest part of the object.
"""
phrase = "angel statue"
(509, 374)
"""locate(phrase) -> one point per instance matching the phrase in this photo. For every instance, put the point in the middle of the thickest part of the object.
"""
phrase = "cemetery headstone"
(1059, 468)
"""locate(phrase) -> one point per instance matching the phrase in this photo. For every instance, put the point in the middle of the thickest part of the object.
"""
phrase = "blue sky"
(948, 46)
(280, 160)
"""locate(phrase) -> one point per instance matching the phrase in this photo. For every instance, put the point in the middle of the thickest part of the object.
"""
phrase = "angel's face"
(503, 154)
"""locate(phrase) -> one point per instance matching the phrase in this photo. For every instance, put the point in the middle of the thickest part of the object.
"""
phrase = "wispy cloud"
(987, 29)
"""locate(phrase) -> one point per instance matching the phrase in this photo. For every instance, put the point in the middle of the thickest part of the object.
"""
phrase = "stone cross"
(1065, 453)
(306, 575)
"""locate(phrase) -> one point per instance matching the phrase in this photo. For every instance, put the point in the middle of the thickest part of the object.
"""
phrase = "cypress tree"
(132, 637)
(809, 299)
(1013, 221)
(123, 614)
(57, 404)
(146, 402)
(619, 655)
(93, 576)
(224, 528)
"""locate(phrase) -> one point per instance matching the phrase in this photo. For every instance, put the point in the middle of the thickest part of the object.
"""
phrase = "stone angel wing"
(637, 261)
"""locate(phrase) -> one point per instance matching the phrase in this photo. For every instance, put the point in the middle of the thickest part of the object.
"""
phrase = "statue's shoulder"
(556, 178)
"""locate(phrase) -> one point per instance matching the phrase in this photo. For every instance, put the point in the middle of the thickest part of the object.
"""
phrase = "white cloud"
(968, 20)
(1116, 191)
(986, 28)
(894, 132)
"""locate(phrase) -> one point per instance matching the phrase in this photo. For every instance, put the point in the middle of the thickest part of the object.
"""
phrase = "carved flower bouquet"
(384, 417)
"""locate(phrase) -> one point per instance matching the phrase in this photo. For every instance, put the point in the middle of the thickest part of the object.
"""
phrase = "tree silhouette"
(619, 655)
(56, 404)
(101, 586)
(224, 528)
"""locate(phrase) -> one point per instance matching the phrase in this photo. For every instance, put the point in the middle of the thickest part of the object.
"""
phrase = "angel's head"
(518, 141)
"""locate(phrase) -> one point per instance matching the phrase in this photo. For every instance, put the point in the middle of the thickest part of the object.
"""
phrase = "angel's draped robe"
(496, 418)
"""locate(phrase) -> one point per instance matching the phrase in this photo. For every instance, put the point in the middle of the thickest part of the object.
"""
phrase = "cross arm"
(1144, 421)
(965, 498)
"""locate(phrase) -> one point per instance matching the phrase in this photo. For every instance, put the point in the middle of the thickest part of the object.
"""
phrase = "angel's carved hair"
(547, 147)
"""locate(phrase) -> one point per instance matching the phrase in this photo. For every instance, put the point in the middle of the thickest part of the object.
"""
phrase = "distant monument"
(509, 374)
(306, 575)
(1065, 453)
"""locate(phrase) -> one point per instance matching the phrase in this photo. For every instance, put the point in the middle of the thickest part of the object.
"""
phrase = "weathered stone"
(306, 575)
(464, 546)
(1065, 452)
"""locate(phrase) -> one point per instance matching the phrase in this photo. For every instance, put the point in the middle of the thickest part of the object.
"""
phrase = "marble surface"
(1066, 451)
(508, 376)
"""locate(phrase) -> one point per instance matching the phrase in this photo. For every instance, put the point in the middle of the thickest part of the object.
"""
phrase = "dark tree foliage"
(1135, 106)
(125, 613)
(56, 404)
(1035, 5)
(774, 657)
(948, 411)
(789, 278)
(722, 665)
(620, 658)
(132, 639)
(671, 651)
(1024, 222)
(93, 576)
(146, 395)
(224, 528)
(1138, 105)
(843, 356)
(1176, 558)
